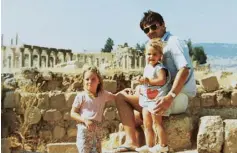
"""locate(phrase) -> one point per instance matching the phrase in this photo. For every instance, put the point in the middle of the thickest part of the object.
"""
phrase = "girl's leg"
(84, 139)
(99, 137)
(158, 126)
(149, 133)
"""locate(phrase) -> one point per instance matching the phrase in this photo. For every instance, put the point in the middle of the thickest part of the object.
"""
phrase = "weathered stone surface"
(109, 114)
(62, 148)
(210, 135)
(57, 100)
(225, 113)
(43, 100)
(234, 98)
(46, 135)
(32, 115)
(230, 145)
(9, 100)
(72, 132)
(208, 99)
(52, 115)
(194, 105)
(67, 116)
(5, 145)
(58, 132)
(69, 97)
(179, 130)
(210, 83)
(223, 97)
(110, 85)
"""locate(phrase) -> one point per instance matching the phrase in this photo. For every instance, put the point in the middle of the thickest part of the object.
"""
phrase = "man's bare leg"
(126, 104)
(139, 131)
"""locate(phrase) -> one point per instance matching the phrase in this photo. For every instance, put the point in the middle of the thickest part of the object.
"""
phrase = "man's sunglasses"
(152, 27)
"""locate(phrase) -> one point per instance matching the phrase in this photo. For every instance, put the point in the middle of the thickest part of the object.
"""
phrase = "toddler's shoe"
(159, 149)
(143, 149)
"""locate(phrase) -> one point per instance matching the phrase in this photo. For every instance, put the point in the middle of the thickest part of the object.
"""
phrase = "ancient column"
(12, 58)
(21, 57)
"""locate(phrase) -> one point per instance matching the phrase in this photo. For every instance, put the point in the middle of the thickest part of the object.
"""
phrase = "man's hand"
(163, 104)
(89, 124)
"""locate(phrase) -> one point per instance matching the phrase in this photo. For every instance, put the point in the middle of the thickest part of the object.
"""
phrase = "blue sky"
(86, 24)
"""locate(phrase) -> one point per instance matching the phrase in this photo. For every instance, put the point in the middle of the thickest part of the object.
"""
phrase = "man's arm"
(177, 86)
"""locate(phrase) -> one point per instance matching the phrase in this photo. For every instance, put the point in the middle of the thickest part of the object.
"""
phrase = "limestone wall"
(36, 105)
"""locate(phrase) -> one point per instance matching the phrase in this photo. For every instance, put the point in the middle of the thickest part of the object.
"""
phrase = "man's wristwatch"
(173, 95)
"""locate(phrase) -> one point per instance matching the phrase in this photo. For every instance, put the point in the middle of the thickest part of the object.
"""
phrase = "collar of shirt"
(166, 36)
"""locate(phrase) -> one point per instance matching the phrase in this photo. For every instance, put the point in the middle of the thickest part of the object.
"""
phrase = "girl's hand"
(89, 124)
(143, 80)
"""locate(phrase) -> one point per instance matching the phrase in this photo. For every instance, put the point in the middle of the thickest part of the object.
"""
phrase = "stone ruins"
(30, 56)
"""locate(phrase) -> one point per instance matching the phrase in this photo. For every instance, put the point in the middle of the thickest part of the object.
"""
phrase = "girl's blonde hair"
(94, 69)
(157, 44)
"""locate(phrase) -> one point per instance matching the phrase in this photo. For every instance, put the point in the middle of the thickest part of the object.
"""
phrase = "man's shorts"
(180, 104)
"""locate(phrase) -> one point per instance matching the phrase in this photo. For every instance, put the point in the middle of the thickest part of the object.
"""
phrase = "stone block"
(32, 115)
(210, 136)
(58, 132)
(57, 100)
(9, 100)
(46, 135)
(5, 145)
(230, 136)
(210, 83)
(179, 130)
(62, 148)
(223, 97)
(110, 85)
(72, 132)
(194, 105)
(43, 100)
(69, 97)
(234, 98)
(52, 115)
(67, 116)
(224, 112)
(208, 99)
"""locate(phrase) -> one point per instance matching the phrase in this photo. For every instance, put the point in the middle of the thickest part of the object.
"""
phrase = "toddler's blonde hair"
(157, 44)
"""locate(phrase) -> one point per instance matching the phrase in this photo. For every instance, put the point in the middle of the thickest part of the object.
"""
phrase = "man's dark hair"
(151, 17)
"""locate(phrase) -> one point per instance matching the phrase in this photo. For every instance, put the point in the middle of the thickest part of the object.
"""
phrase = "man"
(176, 59)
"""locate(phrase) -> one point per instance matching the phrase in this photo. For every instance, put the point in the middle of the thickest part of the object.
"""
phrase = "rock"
(62, 148)
(210, 83)
(58, 132)
(57, 100)
(110, 85)
(52, 115)
(210, 135)
(234, 98)
(208, 99)
(223, 97)
(72, 132)
(179, 130)
(230, 136)
(69, 97)
(32, 115)
(5, 145)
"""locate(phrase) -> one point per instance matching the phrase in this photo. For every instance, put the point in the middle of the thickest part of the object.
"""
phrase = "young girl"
(156, 80)
(87, 109)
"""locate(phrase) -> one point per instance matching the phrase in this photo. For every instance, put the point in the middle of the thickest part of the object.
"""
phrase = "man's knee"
(180, 104)
(138, 118)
